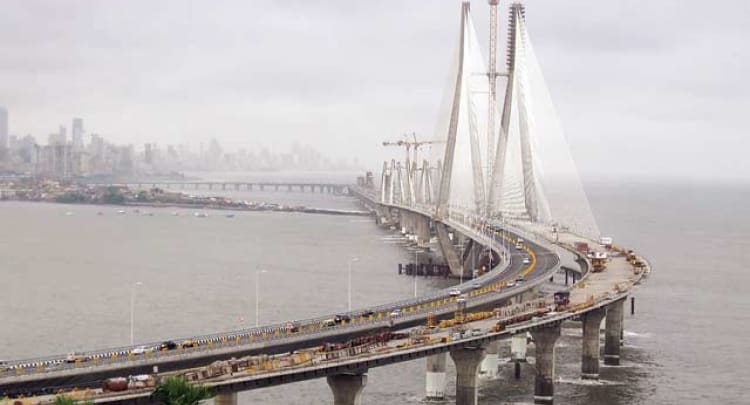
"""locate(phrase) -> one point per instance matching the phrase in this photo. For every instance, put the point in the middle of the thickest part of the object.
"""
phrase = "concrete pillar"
(435, 379)
(544, 384)
(347, 388)
(226, 399)
(467, 362)
(590, 357)
(613, 332)
(518, 343)
(489, 366)
(422, 230)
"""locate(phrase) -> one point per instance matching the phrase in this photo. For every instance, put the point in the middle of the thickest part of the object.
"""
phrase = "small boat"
(175, 214)
(200, 215)
(69, 213)
(99, 213)
(121, 212)
(230, 215)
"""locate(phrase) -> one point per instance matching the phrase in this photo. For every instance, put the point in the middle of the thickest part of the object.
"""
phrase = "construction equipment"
(408, 144)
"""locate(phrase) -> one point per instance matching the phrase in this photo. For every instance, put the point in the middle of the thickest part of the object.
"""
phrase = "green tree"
(113, 196)
(177, 391)
(63, 400)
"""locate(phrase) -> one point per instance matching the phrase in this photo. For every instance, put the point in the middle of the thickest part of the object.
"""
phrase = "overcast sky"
(646, 89)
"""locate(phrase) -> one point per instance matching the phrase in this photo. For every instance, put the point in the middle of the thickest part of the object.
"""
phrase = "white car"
(511, 284)
(141, 350)
(455, 292)
(73, 357)
(395, 313)
(526, 260)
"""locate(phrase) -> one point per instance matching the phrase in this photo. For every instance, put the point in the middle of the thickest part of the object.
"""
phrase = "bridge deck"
(595, 290)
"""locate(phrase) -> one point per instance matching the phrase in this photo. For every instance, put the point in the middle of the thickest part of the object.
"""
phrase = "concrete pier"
(226, 399)
(467, 362)
(422, 230)
(544, 384)
(613, 333)
(435, 379)
(518, 344)
(489, 366)
(591, 322)
(347, 388)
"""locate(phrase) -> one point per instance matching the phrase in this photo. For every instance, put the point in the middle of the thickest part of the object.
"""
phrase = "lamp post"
(257, 296)
(349, 290)
(132, 310)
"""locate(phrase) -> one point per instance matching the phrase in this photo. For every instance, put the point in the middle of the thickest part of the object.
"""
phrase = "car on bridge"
(340, 318)
(455, 292)
(142, 350)
(167, 345)
(291, 327)
(188, 343)
(74, 357)
(526, 260)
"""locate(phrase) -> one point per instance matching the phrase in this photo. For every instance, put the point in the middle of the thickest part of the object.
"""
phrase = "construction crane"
(408, 144)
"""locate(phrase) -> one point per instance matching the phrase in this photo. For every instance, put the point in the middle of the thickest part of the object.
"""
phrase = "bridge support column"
(449, 252)
(613, 332)
(347, 388)
(591, 321)
(544, 384)
(518, 343)
(422, 230)
(467, 362)
(407, 221)
(488, 369)
(226, 399)
(435, 379)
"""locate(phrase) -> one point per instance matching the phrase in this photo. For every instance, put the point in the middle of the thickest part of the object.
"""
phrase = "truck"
(561, 300)
(598, 261)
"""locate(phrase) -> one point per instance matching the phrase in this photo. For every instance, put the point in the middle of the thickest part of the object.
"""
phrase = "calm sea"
(67, 273)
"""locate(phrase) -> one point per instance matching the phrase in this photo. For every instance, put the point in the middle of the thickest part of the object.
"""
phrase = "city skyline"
(90, 154)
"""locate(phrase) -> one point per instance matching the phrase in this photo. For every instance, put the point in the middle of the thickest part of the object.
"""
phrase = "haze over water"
(66, 282)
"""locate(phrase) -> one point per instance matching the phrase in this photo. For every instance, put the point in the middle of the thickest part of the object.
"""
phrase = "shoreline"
(213, 207)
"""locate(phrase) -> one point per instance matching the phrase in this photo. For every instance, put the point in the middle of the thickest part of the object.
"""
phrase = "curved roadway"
(49, 374)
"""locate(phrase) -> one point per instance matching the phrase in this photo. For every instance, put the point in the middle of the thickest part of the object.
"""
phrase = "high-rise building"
(3, 127)
(77, 134)
(58, 138)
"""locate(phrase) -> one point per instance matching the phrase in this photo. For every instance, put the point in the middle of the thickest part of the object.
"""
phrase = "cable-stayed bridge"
(506, 209)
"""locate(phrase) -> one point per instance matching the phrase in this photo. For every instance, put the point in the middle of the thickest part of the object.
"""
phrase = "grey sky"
(642, 88)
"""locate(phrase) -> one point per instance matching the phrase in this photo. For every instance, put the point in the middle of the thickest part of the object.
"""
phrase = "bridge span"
(195, 185)
(595, 296)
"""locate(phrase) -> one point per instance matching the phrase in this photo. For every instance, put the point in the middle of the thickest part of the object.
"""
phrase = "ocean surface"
(67, 274)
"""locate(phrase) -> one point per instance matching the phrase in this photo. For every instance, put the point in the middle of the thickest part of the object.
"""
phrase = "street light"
(257, 296)
(132, 310)
(349, 294)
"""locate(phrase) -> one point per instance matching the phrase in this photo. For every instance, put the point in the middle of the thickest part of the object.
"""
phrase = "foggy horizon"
(643, 91)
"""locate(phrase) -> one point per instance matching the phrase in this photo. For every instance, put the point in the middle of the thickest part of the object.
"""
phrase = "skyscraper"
(3, 127)
(77, 134)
